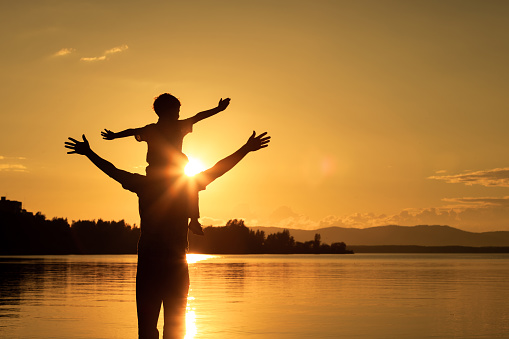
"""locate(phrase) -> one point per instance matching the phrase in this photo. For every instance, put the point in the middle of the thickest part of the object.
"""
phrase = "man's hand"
(107, 134)
(223, 104)
(78, 147)
(257, 142)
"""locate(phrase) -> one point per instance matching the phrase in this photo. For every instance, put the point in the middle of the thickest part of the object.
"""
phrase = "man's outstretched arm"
(254, 143)
(83, 148)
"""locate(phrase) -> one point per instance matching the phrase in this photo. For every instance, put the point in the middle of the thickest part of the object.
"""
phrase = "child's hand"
(107, 134)
(223, 104)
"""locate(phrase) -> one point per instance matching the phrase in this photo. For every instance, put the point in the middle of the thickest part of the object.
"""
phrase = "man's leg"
(148, 298)
(175, 300)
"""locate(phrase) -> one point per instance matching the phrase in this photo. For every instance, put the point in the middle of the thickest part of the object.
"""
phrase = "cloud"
(12, 165)
(103, 57)
(285, 217)
(498, 177)
(13, 168)
(356, 220)
(64, 51)
(206, 221)
(425, 216)
(91, 59)
(300, 222)
(282, 213)
(480, 202)
(468, 213)
(117, 49)
(11, 158)
(475, 214)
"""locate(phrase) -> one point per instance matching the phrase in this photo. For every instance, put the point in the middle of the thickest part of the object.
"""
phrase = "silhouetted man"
(162, 275)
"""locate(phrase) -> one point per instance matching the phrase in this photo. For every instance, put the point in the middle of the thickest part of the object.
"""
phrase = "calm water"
(266, 296)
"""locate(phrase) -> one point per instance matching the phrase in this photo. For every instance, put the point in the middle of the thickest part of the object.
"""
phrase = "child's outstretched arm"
(109, 135)
(221, 106)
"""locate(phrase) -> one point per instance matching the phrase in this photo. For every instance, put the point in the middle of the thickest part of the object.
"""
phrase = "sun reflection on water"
(191, 329)
(194, 258)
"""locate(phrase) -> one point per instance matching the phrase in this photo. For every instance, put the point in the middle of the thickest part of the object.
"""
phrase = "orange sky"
(381, 112)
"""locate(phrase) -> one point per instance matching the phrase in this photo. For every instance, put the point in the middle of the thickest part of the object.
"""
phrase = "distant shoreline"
(358, 249)
(426, 249)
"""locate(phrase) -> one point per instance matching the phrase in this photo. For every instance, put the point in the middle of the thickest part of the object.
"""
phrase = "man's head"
(167, 106)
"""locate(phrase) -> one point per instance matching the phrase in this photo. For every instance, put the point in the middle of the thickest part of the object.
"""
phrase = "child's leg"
(194, 212)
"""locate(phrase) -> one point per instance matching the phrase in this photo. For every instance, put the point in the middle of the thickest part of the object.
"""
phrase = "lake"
(266, 296)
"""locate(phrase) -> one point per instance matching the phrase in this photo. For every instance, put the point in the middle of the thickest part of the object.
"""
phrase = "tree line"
(28, 233)
(236, 238)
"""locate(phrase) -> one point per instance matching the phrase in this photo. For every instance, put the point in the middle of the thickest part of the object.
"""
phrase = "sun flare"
(194, 166)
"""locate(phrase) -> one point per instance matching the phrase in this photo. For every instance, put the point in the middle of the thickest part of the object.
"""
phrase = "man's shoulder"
(132, 181)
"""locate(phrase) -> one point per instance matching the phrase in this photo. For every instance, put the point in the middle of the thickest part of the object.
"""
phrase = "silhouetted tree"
(235, 237)
(281, 242)
(256, 241)
(316, 243)
(338, 247)
(104, 237)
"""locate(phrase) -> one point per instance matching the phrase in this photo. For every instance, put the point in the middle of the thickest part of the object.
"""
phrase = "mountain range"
(421, 235)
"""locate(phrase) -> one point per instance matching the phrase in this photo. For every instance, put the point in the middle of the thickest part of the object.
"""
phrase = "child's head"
(166, 105)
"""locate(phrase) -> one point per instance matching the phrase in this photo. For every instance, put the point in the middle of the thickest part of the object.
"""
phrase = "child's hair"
(165, 103)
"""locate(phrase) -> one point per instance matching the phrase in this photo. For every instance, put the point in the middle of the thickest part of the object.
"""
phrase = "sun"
(194, 166)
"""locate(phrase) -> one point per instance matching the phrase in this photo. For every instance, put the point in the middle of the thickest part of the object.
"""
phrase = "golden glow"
(193, 258)
(311, 154)
(191, 329)
(194, 166)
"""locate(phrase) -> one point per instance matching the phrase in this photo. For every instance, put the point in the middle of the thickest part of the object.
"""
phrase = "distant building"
(10, 206)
